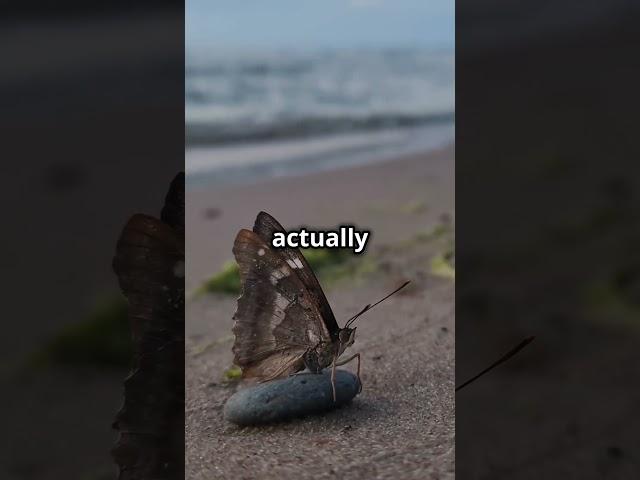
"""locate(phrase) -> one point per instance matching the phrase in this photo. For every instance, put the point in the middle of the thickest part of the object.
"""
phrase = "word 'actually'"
(345, 237)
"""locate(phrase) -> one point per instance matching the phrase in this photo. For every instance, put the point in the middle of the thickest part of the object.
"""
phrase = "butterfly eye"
(345, 337)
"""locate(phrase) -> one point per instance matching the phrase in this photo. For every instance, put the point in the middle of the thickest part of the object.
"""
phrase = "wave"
(260, 96)
(200, 133)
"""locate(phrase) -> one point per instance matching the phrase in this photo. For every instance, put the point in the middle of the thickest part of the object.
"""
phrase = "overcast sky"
(305, 24)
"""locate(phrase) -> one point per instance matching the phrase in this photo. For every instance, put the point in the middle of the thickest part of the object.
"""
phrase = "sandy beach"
(402, 424)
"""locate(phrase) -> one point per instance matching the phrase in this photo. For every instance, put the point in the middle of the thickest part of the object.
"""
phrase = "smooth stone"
(286, 398)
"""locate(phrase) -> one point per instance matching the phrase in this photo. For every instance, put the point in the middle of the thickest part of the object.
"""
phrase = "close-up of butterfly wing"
(265, 226)
(276, 320)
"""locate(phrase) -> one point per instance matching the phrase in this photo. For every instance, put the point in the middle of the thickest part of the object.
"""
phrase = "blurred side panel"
(547, 216)
(91, 128)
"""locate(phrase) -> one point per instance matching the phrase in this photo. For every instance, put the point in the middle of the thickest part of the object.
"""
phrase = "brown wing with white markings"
(265, 226)
(276, 320)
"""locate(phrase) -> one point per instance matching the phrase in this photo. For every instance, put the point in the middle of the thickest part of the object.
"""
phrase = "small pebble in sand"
(291, 397)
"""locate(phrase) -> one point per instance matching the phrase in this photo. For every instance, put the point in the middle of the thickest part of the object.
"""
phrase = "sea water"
(253, 115)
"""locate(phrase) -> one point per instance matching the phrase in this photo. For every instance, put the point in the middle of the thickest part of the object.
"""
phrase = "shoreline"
(243, 164)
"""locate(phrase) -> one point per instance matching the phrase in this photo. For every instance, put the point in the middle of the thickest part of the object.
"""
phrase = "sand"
(402, 424)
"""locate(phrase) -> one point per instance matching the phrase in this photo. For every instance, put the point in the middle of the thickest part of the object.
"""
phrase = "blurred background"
(547, 216)
(91, 118)
(301, 86)
(326, 113)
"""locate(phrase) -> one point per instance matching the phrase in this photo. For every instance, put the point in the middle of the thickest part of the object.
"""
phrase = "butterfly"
(150, 266)
(283, 322)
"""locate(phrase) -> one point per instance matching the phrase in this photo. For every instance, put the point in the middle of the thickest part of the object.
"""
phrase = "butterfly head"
(347, 336)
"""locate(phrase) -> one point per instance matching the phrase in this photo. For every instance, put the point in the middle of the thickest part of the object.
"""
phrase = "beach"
(402, 424)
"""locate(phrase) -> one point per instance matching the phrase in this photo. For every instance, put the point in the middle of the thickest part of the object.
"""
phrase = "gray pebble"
(286, 398)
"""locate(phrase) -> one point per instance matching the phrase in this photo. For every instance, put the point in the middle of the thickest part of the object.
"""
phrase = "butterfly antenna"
(502, 359)
(370, 306)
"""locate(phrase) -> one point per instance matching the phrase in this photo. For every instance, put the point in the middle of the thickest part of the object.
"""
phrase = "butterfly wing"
(149, 263)
(276, 321)
(265, 226)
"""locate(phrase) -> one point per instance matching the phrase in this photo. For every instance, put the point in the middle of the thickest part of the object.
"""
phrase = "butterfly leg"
(311, 362)
(342, 362)
(333, 378)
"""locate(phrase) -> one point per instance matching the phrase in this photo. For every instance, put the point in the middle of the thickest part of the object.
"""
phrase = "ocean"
(253, 115)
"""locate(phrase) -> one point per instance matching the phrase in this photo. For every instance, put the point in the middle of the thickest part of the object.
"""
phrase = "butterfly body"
(318, 358)
(325, 353)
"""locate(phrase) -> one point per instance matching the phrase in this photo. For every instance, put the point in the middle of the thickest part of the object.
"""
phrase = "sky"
(317, 24)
